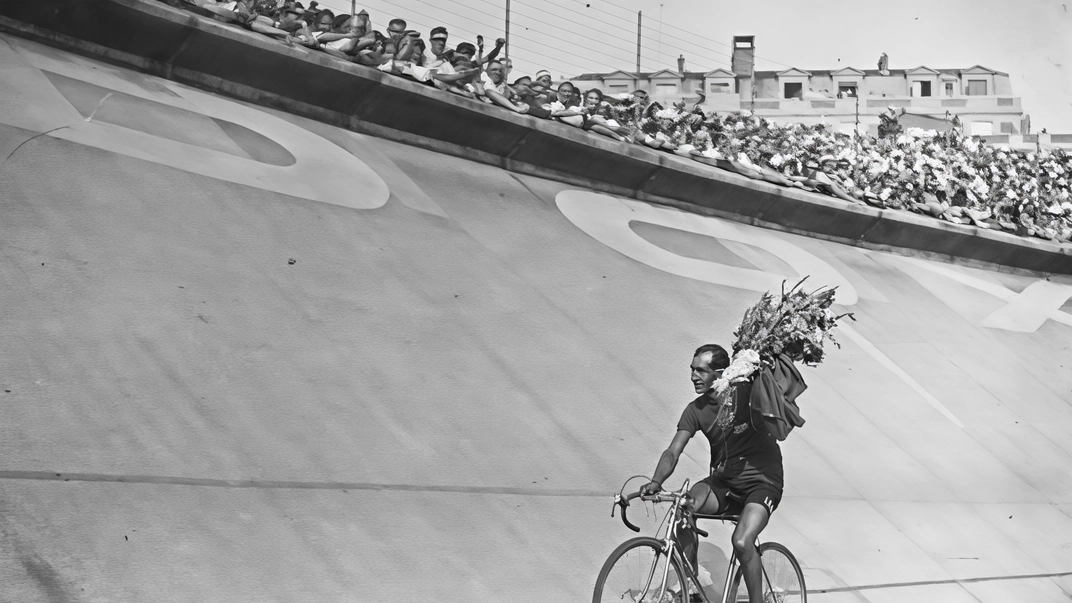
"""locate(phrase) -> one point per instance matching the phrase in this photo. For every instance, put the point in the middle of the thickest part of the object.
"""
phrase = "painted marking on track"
(844, 589)
(1024, 312)
(606, 219)
(323, 171)
(890, 365)
(168, 480)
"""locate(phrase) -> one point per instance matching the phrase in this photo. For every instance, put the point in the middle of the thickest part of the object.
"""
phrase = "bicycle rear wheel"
(634, 573)
(783, 580)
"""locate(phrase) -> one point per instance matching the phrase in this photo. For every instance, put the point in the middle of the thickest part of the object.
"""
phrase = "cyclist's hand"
(650, 488)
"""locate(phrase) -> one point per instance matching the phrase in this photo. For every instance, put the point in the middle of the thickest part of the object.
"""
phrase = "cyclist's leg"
(753, 519)
(709, 496)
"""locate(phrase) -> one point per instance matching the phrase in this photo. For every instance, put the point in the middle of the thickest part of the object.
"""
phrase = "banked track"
(252, 357)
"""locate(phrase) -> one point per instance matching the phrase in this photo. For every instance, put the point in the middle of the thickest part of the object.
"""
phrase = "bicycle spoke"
(636, 576)
(782, 578)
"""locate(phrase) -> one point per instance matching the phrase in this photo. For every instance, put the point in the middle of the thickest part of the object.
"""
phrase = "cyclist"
(746, 463)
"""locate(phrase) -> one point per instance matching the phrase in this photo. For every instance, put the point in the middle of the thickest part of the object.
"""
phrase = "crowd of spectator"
(949, 176)
(466, 69)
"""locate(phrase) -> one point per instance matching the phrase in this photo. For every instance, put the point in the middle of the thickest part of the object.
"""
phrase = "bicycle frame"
(675, 520)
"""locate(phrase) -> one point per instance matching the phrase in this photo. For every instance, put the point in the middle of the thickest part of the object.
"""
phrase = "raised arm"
(484, 60)
(667, 462)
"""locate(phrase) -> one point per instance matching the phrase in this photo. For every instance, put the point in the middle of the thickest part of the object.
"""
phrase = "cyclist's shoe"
(773, 596)
(694, 597)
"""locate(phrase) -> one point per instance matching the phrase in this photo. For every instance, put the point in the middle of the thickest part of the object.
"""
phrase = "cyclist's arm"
(668, 460)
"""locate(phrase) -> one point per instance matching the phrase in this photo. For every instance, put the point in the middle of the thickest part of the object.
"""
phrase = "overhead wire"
(543, 33)
(629, 31)
(692, 51)
(582, 68)
(574, 42)
(457, 28)
(701, 36)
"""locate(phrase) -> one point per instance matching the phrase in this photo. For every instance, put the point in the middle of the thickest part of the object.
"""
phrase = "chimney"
(743, 64)
(681, 64)
(744, 55)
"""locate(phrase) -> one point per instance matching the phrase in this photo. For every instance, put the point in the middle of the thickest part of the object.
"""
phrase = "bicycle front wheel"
(634, 574)
(783, 580)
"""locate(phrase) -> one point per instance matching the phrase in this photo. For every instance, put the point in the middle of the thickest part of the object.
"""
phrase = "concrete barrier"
(180, 45)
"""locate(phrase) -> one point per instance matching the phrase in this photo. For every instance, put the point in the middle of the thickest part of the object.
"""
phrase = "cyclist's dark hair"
(719, 358)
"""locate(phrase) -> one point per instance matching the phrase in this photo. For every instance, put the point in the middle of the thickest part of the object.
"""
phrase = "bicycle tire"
(624, 573)
(782, 572)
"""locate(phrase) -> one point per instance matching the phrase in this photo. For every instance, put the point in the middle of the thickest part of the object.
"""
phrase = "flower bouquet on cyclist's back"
(775, 333)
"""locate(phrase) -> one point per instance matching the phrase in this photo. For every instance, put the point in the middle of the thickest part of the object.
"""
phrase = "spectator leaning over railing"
(446, 75)
(336, 35)
(476, 53)
(650, 107)
(523, 87)
(256, 15)
(598, 117)
(289, 19)
(499, 91)
(437, 44)
(400, 41)
(567, 107)
(466, 83)
(541, 85)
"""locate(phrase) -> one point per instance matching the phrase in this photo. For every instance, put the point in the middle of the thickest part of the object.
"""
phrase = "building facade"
(846, 99)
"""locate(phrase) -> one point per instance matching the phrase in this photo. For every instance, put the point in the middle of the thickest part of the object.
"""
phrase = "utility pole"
(857, 116)
(353, 7)
(507, 29)
(639, 20)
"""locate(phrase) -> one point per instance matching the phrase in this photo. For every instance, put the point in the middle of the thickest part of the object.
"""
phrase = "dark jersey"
(745, 444)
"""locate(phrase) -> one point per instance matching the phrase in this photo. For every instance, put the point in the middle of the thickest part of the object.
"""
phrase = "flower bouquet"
(775, 333)
(796, 324)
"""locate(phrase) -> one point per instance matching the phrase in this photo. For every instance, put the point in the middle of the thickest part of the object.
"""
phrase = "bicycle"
(639, 565)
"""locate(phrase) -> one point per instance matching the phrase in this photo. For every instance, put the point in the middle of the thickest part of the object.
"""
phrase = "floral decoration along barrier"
(946, 175)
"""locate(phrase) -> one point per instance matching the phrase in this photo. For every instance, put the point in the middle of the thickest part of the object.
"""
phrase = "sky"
(1031, 40)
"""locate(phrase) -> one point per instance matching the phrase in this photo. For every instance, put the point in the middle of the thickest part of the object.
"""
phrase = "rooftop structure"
(846, 98)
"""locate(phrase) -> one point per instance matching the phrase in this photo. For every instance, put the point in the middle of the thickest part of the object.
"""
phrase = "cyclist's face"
(702, 373)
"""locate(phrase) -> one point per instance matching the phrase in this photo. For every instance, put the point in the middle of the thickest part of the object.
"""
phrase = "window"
(618, 88)
(949, 88)
(720, 88)
(921, 89)
(976, 88)
(847, 90)
(794, 90)
(665, 88)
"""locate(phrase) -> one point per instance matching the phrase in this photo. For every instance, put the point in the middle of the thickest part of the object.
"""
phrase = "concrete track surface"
(250, 357)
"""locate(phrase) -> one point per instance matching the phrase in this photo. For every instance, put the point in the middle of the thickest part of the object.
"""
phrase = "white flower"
(743, 364)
